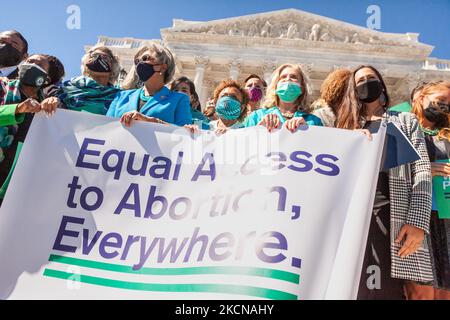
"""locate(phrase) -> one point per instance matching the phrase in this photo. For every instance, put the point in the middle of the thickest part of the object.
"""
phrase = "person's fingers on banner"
(192, 128)
(274, 122)
(126, 118)
(29, 106)
(366, 133)
(136, 116)
(49, 105)
(220, 131)
(270, 121)
(35, 106)
(293, 124)
(263, 121)
(290, 125)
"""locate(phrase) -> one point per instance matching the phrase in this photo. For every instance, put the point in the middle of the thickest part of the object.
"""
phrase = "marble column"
(207, 92)
(201, 63)
(235, 67)
(268, 67)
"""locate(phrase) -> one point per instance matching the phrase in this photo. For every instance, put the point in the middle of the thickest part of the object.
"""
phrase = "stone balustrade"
(436, 64)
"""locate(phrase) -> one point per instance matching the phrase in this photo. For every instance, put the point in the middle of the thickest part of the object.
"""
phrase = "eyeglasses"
(95, 55)
(146, 58)
(442, 107)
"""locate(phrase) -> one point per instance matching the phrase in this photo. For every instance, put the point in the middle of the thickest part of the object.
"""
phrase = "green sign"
(402, 107)
(441, 188)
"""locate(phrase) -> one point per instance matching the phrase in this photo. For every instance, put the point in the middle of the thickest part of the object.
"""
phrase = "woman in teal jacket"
(155, 67)
(285, 103)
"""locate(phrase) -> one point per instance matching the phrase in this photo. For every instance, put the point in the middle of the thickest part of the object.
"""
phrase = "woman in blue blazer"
(155, 67)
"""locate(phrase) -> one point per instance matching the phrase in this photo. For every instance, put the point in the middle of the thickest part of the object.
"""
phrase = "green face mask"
(288, 91)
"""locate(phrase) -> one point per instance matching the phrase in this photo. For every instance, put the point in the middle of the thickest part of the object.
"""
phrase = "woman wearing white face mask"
(285, 102)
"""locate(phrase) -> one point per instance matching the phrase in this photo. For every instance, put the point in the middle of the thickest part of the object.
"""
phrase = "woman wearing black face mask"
(19, 100)
(154, 66)
(431, 105)
(13, 49)
(95, 90)
(401, 215)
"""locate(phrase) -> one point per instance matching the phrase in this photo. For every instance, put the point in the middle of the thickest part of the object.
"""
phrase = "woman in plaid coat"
(401, 214)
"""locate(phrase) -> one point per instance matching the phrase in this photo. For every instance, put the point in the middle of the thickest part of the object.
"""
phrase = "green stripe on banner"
(257, 272)
(163, 287)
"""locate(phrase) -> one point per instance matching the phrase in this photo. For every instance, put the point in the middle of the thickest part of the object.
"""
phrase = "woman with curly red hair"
(331, 93)
(431, 105)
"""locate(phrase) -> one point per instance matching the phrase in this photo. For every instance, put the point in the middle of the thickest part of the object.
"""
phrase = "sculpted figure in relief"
(265, 30)
(315, 33)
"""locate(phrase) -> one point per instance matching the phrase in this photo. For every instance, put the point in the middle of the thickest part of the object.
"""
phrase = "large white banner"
(98, 211)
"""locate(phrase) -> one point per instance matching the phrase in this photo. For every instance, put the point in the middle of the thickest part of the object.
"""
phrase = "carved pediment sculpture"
(296, 25)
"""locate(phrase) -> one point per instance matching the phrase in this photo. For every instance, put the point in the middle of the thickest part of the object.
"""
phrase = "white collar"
(4, 72)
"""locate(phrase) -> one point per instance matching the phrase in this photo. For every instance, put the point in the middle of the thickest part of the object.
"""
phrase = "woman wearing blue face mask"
(230, 99)
(154, 102)
(285, 102)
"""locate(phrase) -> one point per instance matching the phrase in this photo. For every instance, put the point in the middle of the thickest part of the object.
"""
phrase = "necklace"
(288, 114)
(430, 132)
(143, 97)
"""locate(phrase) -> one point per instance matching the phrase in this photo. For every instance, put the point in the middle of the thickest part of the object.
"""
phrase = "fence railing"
(436, 64)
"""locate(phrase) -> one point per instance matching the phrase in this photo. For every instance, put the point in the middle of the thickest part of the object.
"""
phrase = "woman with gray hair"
(94, 90)
(154, 66)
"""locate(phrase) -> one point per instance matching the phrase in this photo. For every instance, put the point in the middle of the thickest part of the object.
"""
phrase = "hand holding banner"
(97, 211)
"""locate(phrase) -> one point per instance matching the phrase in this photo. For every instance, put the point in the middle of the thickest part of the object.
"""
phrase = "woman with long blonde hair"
(286, 101)
(431, 106)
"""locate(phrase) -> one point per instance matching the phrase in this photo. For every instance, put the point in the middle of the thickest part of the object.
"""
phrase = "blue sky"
(43, 22)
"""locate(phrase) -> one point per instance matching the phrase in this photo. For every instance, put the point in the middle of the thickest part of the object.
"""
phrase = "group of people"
(407, 239)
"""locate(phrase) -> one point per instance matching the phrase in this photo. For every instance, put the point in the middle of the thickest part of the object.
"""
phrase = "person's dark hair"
(351, 110)
(56, 69)
(22, 38)
(255, 76)
(195, 103)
